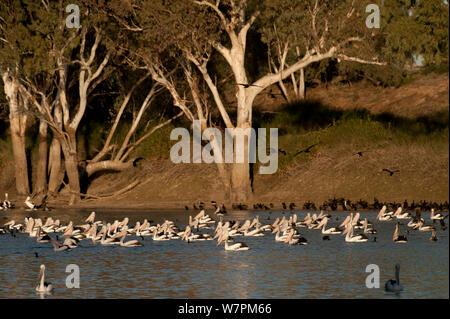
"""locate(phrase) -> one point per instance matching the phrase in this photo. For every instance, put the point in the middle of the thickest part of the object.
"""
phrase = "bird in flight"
(246, 85)
(390, 172)
(282, 151)
(360, 153)
(306, 150)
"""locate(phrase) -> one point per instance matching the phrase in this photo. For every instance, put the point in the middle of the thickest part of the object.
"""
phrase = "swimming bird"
(399, 215)
(401, 239)
(436, 216)
(350, 237)
(42, 238)
(130, 243)
(57, 246)
(420, 226)
(433, 235)
(295, 241)
(383, 216)
(235, 247)
(332, 230)
(29, 203)
(6, 203)
(43, 287)
(368, 230)
(91, 218)
(394, 285)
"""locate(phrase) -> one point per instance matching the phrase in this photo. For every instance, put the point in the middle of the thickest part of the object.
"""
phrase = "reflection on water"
(175, 269)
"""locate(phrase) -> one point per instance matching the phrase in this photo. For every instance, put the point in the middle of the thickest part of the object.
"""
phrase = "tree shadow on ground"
(313, 115)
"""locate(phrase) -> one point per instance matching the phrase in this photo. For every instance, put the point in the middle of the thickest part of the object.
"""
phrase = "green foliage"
(419, 29)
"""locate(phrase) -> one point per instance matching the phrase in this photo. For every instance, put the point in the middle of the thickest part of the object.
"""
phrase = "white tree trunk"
(17, 119)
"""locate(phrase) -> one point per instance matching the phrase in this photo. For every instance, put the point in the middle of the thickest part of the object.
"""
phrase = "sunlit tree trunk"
(69, 149)
(41, 174)
(301, 85)
(54, 160)
(17, 119)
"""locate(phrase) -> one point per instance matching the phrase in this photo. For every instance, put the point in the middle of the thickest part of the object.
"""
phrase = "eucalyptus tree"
(53, 71)
(192, 31)
(415, 28)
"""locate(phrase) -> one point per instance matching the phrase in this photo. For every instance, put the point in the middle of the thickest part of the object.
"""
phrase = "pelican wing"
(345, 222)
(355, 219)
(382, 211)
(201, 214)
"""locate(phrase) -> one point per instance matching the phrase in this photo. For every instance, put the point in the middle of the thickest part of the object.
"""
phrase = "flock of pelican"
(202, 227)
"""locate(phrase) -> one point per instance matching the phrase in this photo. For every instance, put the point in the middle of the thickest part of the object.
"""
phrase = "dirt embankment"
(333, 170)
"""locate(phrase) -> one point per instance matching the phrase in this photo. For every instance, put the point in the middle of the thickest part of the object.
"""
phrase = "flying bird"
(136, 161)
(390, 172)
(246, 85)
(282, 151)
(360, 153)
(306, 150)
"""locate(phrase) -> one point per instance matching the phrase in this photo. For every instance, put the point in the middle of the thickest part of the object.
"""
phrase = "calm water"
(175, 269)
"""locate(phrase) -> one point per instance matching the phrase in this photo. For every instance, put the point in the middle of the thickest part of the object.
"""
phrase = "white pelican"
(436, 216)
(398, 214)
(130, 243)
(346, 221)
(43, 287)
(108, 241)
(353, 238)
(57, 246)
(383, 216)
(91, 218)
(399, 238)
(413, 222)
(394, 285)
(6, 202)
(42, 238)
(332, 230)
(368, 230)
(29, 203)
(421, 227)
(277, 235)
(235, 247)
(156, 236)
(295, 241)
(71, 242)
